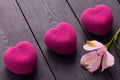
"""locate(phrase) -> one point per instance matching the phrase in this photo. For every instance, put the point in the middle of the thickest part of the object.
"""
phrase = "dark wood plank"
(44, 14)
(78, 6)
(13, 29)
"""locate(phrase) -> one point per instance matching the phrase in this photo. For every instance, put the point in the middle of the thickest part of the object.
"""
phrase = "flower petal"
(95, 65)
(101, 51)
(92, 45)
(108, 60)
(91, 61)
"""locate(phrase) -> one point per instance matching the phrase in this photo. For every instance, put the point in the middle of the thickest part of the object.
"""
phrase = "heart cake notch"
(61, 39)
(21, 59)
(98, 20)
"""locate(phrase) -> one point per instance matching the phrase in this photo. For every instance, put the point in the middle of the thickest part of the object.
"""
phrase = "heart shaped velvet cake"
(21, 59)
(61, 39)
(98, 20)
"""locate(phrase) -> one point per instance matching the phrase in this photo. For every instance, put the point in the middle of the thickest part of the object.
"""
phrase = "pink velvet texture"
(61, 39)
(98, 20)
(21, 59)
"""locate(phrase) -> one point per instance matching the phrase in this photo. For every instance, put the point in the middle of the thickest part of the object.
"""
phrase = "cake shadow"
(32, 75)
(67, 59)
(104, 39)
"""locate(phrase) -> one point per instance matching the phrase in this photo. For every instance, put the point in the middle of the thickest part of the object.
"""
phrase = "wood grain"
(78, 6)
(13, 28)
(44, 14)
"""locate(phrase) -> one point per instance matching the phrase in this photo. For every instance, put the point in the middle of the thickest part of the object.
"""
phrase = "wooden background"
(29, 19)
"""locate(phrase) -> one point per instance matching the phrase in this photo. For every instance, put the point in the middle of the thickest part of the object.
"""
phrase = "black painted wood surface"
(48, 15)
(30, 19)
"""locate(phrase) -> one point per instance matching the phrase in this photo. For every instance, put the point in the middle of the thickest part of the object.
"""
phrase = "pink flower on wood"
(100, 55)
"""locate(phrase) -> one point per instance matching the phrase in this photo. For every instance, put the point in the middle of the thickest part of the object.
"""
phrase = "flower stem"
(113, 38)
(118, 48)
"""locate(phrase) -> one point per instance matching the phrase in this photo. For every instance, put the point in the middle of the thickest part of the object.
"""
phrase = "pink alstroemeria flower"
(100, 55)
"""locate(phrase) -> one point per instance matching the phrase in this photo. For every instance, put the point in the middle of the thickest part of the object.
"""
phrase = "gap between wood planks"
(118, 1)
(78, 20)
(89, 37)
(35, 38)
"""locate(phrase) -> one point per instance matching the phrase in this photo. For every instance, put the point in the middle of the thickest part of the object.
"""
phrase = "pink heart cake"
(21, 59)
(97, 20)
(61, 39)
